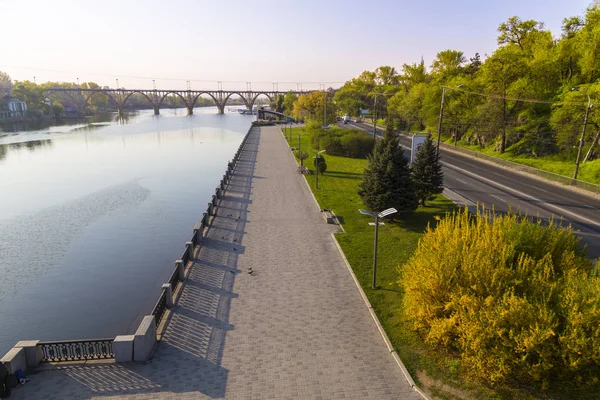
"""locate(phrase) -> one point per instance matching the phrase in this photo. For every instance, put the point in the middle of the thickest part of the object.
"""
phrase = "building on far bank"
(11, 107)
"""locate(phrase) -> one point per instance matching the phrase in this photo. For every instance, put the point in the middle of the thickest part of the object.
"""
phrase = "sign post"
(417, 142)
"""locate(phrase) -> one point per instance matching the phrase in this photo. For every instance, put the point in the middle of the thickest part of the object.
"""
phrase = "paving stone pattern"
(295, 328)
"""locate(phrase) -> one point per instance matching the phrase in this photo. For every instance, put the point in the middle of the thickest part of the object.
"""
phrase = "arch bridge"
(119, 97)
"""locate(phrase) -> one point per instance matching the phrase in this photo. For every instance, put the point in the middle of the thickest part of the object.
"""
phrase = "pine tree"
(386, 182)
(427, 172)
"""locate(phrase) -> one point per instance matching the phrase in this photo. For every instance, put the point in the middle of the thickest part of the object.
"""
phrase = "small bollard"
(168, 294)
(204, 220)
(190, 248)
(214, 200)
(180, 269)
(209, 210)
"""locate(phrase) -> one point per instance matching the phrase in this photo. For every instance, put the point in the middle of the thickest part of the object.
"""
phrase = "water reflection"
(36, 125)
(92, 224)
(31, 145)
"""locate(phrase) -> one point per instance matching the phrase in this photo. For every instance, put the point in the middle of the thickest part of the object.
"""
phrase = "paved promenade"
(294, 328)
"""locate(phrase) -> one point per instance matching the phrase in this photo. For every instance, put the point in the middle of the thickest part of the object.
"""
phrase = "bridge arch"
(208, 93)
(107, 94)
(140, 92)
(187, 105)
(241, 96)
(260, 94)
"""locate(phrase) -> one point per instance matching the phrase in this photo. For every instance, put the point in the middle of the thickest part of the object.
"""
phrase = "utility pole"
(439, 138)
(581, 140)
(324, 109)
(591, 150)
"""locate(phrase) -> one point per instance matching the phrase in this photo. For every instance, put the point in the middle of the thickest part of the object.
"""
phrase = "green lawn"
(432, 369)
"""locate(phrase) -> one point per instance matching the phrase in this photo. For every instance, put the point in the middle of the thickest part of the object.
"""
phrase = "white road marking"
(461, 181)
(537, 188)
(491, 182)
(499, 198)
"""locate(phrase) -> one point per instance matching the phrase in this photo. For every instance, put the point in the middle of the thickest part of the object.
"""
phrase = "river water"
(93, 216)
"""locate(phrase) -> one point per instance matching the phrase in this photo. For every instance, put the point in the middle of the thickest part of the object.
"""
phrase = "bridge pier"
(221, 109)
(156, 110)
(190, 110)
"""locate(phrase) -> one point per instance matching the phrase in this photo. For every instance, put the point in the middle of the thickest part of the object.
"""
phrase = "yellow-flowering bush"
(516, 300)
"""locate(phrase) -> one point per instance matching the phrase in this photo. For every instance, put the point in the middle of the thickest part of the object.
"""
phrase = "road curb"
(384, 335)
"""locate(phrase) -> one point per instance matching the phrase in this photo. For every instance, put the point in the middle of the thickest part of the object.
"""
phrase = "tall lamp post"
(381, 214)
(324, 107)
(585, 122)
(317, 153)
(437, 152)
(375, 114)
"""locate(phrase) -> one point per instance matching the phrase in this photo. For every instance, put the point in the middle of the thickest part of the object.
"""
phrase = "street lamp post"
(437, 153)
(581, 140)
(375, 115)
(317, 153)
(382, 214)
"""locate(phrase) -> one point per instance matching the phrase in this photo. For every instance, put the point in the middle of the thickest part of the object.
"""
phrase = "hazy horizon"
(234, 42)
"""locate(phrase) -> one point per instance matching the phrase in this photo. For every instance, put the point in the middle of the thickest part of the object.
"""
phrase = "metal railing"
(77, 350)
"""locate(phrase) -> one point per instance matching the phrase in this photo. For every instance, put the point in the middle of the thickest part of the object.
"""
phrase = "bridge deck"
(296, 328)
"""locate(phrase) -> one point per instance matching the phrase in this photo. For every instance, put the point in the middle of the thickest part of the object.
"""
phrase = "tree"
(474, 64)
(277, 104)
(427, 172)
(30, 93)
(386, 182)
(516, 31)
(5, 83)
(448, 63)
(57, 108)
(289, 100)
(311, 106)
(302, 155)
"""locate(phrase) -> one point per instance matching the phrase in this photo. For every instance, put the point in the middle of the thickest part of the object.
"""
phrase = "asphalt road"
(503, 189)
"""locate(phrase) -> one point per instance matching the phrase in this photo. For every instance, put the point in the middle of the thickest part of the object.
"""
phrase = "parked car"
(346, 119)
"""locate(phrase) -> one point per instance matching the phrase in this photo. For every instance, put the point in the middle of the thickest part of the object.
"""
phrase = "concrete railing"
(27, 355)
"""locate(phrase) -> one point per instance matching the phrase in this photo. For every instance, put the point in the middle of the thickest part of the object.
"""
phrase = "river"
(93, 216)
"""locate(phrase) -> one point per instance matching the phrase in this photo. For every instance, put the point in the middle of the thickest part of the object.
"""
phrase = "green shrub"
(516, 300)
(322, 163)
(344, 143)
(357, 144)
(332, 145)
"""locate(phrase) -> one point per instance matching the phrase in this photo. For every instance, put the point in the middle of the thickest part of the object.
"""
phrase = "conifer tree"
(427, 172)
(386, 182)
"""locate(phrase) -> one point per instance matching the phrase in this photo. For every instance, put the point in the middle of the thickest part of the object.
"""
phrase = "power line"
(528, 100)
(160, 78)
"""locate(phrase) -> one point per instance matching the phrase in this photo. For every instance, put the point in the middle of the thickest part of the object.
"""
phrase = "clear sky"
(236, 41)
